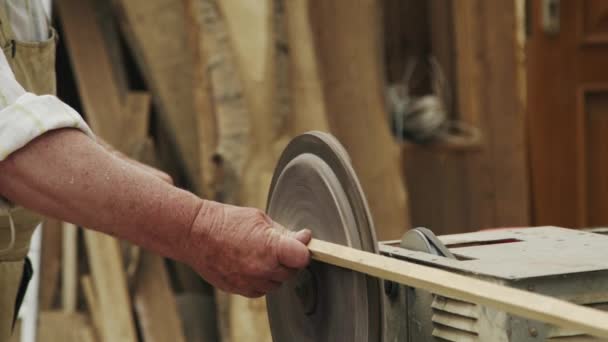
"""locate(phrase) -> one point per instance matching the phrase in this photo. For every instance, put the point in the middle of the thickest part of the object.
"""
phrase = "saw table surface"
(546, 251)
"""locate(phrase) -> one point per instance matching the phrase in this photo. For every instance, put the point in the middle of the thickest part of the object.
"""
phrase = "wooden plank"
(101, 98)
(154, 302)
(251, 30)
(518, 302)
(51, 263)
(69, 275)
(105, 261)
(155, 31)
(90, 296)
(61, 326)
(347, 36)
(230, 106)
(308, 111)
(103, 105)
(496, 176)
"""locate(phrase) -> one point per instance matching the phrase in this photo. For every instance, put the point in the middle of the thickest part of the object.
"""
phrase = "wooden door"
(568, 113)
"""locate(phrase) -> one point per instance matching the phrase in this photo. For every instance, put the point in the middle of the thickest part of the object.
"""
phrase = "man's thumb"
(292, 250)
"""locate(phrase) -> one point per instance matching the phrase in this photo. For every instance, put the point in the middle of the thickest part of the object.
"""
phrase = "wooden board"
(51, 263)
(154, 302)
(309, 110)
(100, 96)
(479, 45)
(69, 272)
(155, 31)
(103, 105)
(521, 303)
(347, 37)
(568, 119)
(105, 261)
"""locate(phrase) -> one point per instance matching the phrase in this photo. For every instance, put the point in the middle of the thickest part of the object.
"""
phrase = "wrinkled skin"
(66, 175)
(243, 251)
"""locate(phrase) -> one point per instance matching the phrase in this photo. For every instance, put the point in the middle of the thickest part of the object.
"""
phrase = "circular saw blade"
(314, 186)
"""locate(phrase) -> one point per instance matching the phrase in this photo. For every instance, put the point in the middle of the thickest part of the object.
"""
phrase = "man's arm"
(65, 174)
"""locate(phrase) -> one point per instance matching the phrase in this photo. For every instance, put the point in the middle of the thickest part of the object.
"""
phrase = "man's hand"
(241, 250)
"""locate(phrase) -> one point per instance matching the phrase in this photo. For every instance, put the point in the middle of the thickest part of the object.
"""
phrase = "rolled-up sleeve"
(25, 116)
(31, 116)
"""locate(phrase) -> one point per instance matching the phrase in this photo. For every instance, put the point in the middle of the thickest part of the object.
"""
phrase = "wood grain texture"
(69, 274)
(97, 87)
(347, 36)
(566, 118)
(110, 282)
(154, 302)
(51, 263)
(309, 110)
(103, 104)
(156, 33)
(518, 302)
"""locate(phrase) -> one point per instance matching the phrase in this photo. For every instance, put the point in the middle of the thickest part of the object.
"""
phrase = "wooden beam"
(154, 302)
(51, 263)
(110, 281)
(156, 34)
(518, 302)
(100, 96)
(489, 97)
(347, 36)
(69, 283)
(309, 110)
(90, 297)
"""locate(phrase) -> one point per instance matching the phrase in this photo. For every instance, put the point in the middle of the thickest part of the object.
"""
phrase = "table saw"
(464, 287)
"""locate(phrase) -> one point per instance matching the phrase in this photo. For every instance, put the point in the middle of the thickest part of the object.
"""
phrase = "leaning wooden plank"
(518, 302)
(90, 297)
(51, 263)
(103, 106)
(110, 281)
(308, 111)
(252, 32)
(100, 96)
(347, 35)
(156, 33)
(155, 303)
(218, 59)
(64, 327)
(69, 275)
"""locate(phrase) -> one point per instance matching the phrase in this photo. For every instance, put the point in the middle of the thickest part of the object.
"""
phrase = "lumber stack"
(211, 91)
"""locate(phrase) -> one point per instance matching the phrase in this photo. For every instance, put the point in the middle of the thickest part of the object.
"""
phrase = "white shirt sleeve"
(25, 116)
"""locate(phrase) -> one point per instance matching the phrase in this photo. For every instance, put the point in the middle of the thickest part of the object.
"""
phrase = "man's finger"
(292, 253)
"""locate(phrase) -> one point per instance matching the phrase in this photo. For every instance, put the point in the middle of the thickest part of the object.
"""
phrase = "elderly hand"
(241, 250)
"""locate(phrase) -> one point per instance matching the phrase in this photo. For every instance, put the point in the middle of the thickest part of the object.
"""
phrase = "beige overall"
(34, 67)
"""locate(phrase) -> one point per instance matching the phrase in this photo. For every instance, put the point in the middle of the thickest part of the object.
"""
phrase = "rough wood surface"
(105, 261)
(215, 64)
(156, 33)
(51, 263)
(521, 303)
(347, 36)
(103, 105)
(100, 95)
(69, 279)
(497, 175)
(61, 326)
(154, 302)
(309, 110)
